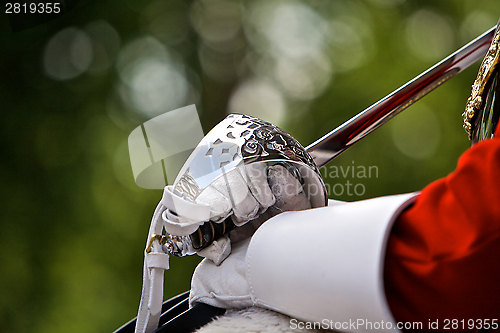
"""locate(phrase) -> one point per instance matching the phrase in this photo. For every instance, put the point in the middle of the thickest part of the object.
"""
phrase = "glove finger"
(220, 206)
(246, 210)
(256, 177)
(298, 202)
(234, 187)
(284, 186)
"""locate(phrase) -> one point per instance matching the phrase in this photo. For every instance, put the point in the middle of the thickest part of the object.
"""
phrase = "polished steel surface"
(334, 143)
(237, 140)
(244, 169)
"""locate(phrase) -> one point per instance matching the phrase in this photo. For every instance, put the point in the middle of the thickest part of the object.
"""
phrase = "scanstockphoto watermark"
(358, 324)
(347, 180)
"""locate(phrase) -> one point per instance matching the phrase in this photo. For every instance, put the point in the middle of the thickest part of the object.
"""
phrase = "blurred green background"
(73, 222)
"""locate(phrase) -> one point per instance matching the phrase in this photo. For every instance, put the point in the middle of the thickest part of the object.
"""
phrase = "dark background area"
(73, 224)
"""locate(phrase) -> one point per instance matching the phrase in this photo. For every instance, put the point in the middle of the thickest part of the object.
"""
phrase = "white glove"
(249, 190)
(223, 286)
(245, 193)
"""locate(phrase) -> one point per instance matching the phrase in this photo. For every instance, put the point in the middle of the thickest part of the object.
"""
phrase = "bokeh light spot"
(289, 28)
(416, 132)
(387, 3)
(429, 35)
(216, 21)
(152, 81)
(301, 79)
(290, 39)
(347, 46)
(167, 20)
(68, 54)
(259, 98)
(476, 23)
(105, 43)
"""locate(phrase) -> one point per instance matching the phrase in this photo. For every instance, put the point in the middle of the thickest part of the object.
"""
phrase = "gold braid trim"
(488, 66)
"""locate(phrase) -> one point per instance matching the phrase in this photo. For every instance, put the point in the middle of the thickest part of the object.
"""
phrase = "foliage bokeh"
(73, 222)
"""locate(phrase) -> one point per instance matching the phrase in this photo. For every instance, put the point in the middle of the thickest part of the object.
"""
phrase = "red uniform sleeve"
(443, 254)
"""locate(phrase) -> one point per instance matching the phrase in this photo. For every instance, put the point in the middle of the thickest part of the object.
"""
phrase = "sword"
(337, 141)
(322, 151)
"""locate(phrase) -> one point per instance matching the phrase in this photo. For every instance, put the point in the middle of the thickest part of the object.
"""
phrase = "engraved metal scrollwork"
(238, 141)
(275, 144)
(240, 138)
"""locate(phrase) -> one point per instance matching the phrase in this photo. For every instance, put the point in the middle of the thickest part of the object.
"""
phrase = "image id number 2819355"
(27, 8)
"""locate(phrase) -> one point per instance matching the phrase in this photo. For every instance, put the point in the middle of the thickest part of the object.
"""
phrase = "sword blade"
(337, 141)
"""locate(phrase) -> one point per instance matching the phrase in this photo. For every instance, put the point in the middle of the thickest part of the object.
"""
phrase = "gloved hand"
(245, 193)
(249, 190)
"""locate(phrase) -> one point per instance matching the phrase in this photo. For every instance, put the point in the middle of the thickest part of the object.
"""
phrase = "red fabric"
(443, 254)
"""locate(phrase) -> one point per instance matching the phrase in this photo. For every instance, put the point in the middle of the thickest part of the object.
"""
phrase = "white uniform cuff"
(326, 263)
